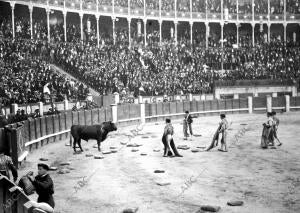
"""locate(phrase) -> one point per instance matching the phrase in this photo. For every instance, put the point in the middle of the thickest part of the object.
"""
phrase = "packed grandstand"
(173, 54)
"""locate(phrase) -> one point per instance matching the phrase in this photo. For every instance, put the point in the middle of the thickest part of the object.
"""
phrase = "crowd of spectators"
(260, 7)
(246, 7)
(25, 75)
(276, 7)
(230, 37)
(123, 3)
(25, 71)
(22, 28)
(137, 4)
(270, 61)
(230, 5)
(105, 2)
(57, 32)
(5, 27)
(39, 29)
(245, 39)
(213, 6)
(183, 6)
(152, 5)
(293, 6)
(199, 37)
(147, 71)
(73, 33)
(198, 6)
(167, 5)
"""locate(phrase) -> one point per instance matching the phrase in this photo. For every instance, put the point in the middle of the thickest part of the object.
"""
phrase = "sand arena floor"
(268, 181)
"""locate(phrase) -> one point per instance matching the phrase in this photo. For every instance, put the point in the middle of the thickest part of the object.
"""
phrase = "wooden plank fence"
(31, 134)
(12, 199)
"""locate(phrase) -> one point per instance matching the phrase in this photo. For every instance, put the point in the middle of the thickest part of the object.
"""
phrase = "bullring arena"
(266, 180)
(128, 80)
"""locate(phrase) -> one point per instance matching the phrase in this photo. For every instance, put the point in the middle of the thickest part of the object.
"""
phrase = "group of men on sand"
(269, 133)
(168, 139)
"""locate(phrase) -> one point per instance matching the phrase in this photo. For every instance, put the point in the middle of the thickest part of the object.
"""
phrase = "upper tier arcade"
(222, 12)
(241, 11)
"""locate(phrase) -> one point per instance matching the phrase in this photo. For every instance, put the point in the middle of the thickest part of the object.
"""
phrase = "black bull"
(96, 132)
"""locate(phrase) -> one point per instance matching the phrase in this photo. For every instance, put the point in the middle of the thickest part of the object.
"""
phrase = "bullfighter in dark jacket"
(187, 124)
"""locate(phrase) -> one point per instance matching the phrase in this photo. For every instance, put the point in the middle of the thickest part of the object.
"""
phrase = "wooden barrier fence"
(295, 103)
(159, 111)
(21, 138)
(2, 139)
(12, 200)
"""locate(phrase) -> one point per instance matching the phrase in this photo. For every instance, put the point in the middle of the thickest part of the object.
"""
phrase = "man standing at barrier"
(6, 164)
(43, 185)
(187, 124)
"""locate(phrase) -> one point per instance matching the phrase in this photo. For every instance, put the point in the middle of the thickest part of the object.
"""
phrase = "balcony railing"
(292, 17)
(197, 15)
(121, 10)
(276, 17)
(106, 7)
(261, 17)
(214, 16)
(56, 3)
(38, 1)
(168, 14)
(137, 12)
(245, 17)
(232, 17)
(90, 5)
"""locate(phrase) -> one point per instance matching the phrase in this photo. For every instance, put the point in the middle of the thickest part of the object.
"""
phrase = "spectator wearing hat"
(17, 117)
(23, 115)
(43, 185)
(37, 114)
